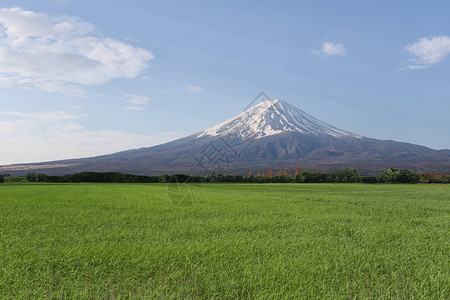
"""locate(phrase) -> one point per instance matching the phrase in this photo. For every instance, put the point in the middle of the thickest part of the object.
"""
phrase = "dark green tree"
(283, 178)
(388, 176)
(299, 178)
(369, 179)
(347, 175)
(399, 176)
(406, 176)
(313, 177)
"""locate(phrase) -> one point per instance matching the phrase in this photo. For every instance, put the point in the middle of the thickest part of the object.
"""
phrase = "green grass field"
(234, 241)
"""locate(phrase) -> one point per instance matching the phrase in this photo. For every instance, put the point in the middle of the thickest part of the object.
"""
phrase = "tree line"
(347, 175)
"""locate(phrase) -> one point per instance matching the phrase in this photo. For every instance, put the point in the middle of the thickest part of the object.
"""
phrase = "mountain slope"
(271, 118)
(271, 134)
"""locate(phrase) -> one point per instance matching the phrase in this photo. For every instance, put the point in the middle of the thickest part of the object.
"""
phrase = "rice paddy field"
(224, 241)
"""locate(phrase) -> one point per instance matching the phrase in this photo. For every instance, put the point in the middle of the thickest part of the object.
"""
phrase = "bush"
(283, 178)
(299, 178)
(348, 175)
(313, 177)
(439, 180)
(399, 176)
(369, 179)
(407, 176)
(14, 179)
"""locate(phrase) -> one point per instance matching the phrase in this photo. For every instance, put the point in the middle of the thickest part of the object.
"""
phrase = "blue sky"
(83, 78)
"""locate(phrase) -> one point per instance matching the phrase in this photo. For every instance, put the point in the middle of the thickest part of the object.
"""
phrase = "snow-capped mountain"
(273, 117)
(271, 134)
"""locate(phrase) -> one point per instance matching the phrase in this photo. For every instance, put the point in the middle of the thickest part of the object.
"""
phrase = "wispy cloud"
(53, 135)
(135, 108)
(427, 51)
(330, 48)
(137, 100)
(194, 89)
(43, 116)
(413, 67)
(61, 54)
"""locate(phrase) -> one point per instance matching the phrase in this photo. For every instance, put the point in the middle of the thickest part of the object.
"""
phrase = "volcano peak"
(273, 117)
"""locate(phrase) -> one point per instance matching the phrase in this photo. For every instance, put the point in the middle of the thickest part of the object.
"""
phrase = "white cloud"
(413, 67)
(136, 108)
(428, 51)
(330, 48)
(194, 89)
(61, 54)
(46, 136)
(43, 116)
(137, 100)
(15, 123)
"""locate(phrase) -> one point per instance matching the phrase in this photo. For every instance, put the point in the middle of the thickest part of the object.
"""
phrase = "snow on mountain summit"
(272, 117)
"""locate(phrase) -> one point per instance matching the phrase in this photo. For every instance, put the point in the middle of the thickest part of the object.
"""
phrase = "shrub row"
(347, 175)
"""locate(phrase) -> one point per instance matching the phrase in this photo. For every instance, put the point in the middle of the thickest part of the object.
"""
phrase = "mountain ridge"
(271, 134)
